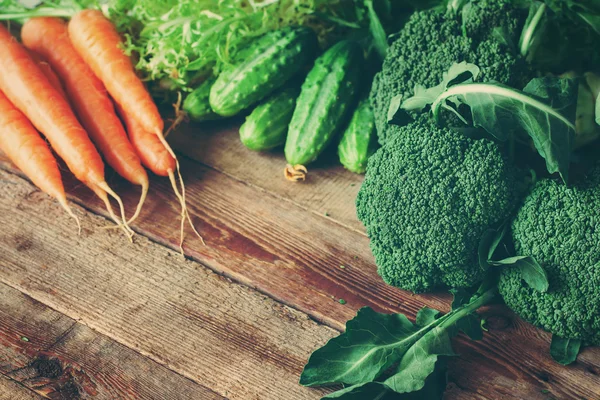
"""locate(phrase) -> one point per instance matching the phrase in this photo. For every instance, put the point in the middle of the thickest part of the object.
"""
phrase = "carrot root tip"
(65, 205)
(138, 210)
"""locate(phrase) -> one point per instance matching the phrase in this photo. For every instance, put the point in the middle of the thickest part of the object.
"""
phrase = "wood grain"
(264, 241)
(11, 390)
(329, 188)
(224, 336)
(60, 358)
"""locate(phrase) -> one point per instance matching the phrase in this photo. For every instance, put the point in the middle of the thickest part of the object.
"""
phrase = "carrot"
(25, 85)
(157, 159)
(99, 43)
(49, 37)
(29, 152)
(48, 72)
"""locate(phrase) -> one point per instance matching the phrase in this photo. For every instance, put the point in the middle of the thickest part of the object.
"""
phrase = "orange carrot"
(29, 152)
(25, 85)
(99, 44)
(153, 154)
(50, 38)
(48, 72)
(157, 159)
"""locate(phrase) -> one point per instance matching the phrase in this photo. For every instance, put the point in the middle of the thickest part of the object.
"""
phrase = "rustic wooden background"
(95, 317)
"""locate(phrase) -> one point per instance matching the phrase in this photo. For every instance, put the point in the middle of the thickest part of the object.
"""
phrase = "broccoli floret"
(431, 41)
(428, 196)
(560, 227)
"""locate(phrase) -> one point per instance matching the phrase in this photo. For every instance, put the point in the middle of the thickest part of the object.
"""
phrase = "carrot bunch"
(67, 81)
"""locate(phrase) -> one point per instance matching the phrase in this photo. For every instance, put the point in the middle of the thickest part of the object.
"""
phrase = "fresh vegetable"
(49, 37)
(383, 356)
(26, 86)
(197, 104)
(359, 140)
(428, 197)
(559, 227)
(97, 41)
(546, 111)
(562, 35)
(262, 67)
(267, 126)
(29, 152)
(324, 102)
(48, 73)
(483, 33)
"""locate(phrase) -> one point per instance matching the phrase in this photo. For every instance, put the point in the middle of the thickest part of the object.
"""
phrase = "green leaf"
(471, 326)
(501, 110)
(533, 29)
(531, 271)
(373, 342)
(419, 362)
(490, 240)
(377, 30)
(394, 108)
(426, 316)
(460, 297)
(461, 72)
(370, 345)
(593, 82)
(365, 391)
(434, 389)
(564, 351)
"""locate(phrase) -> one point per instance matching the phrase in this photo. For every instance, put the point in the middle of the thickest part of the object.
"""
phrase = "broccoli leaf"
(471, 326)
(420, 361)
(593, 83)
(373, 342)
(534, 28)
(489, 243)
(531, 271)
(377, 30)
(500, 110)
(365, 391)
(458, 72)
(426, 316)
(564, 351)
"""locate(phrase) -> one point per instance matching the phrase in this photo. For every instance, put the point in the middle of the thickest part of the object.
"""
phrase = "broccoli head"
(485, 33)
(560, 227)
(428, 196)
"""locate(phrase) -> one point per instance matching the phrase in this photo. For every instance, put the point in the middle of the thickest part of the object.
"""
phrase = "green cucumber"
(197, 106)
(321, 109)
(359, 140)
(266, 127)
(261, 68)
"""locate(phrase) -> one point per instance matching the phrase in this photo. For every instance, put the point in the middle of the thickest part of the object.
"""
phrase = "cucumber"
(266, 127)
(359, 140)
(261, 68)
(197, 106)
(327, 93)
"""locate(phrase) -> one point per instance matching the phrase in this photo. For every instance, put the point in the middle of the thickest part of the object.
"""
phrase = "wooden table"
(94, 316)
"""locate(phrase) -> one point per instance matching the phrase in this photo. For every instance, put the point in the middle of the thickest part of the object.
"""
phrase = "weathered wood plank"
(244, 228)
(11, 390)
(224, 336)
(268, 244)
(58, 357)
(329, 188)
